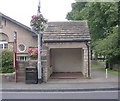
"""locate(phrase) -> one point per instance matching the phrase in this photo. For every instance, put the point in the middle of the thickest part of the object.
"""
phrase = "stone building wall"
(24, 36)
(47, 70)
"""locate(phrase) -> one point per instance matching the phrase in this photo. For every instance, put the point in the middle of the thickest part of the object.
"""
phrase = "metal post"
(39, 51)
(39, 59)
(14, 54)
(106, 73)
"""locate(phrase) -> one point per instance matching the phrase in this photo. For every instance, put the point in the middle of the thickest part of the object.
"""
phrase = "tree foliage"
(6, 61)
(75, 13)
(103, 24)
(109, 46)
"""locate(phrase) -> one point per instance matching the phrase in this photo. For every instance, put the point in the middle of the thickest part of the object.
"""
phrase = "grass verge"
(103, 69)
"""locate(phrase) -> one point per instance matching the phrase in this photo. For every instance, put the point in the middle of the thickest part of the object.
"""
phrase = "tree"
(103, 24)
(108, 46)
(6, 61)
(101, 17)
(75, 13)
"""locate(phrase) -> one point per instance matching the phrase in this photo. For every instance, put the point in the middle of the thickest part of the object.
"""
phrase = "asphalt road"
(61, 95)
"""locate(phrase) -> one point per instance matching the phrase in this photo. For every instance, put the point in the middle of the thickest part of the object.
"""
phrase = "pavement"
(98, 82)
(59, 87)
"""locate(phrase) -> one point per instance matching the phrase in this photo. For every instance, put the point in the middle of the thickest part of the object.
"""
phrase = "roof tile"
(67, 31)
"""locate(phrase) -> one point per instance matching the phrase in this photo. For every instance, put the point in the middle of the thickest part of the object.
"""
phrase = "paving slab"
(60, 87)
(97, 82)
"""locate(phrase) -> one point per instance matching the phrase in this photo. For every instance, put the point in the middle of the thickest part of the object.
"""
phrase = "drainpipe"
(88, 46)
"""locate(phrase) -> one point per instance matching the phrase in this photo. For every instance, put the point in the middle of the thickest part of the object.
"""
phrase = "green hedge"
(6, 61)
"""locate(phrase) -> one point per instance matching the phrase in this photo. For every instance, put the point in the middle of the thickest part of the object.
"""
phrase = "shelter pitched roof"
(66, 31)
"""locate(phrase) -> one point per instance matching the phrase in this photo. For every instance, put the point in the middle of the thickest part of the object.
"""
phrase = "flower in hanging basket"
(33, 52)
(38, 22)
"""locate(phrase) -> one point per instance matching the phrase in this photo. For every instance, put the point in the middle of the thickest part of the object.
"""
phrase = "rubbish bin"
(31, 75)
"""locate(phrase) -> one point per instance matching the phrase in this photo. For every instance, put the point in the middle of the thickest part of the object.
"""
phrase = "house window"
(6, 46)
(3, 45)
(22, 48)
(22, 58)
(4, 22)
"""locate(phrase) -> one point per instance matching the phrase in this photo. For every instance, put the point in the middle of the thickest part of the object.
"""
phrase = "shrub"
(6, 61)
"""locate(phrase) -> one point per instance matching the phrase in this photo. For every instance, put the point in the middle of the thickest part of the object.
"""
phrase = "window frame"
(22, 58)
(20, 49)
(3, 45)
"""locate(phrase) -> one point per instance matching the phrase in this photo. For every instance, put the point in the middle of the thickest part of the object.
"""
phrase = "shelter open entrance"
(66, 62)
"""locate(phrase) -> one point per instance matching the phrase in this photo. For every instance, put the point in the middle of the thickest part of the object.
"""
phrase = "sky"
(22, 10)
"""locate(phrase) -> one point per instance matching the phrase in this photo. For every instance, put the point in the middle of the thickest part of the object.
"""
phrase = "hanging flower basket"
(38, 22)
(33, 53)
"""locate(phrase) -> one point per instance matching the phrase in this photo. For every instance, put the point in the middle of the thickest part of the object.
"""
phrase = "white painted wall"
(67, 60)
